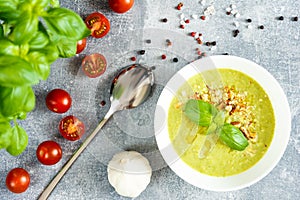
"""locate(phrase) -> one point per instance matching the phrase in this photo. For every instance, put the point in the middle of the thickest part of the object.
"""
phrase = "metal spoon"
(129, 89)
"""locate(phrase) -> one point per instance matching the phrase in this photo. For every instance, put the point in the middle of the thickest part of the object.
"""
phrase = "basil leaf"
(8, 9)
(14, 71)
(14, 101)
(19, 142)
(40, 64)
(233, 137)
(199, 112)
(5, 133)
(66, 47)
(54, 3)
(25, 28)
(39, 41)
(8, 48)
(64, 22)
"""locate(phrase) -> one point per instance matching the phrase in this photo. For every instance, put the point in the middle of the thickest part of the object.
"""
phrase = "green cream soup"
(187, 138)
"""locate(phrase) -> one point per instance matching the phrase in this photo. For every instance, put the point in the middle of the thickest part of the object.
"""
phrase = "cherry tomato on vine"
(17, 180)
(58, 100)
(81, 44)
(94, 65)
(98, 24)
(71, 128)
(49, 152)
(120, 6)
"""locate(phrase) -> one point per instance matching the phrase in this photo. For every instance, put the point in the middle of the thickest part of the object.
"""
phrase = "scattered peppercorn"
(148, 41)
(249, 20)
(181, 26)
(179, 6)
(228, 13)
(281, 18)
(203, 17)
(164, 20)
(175, 59)
(102, 103)
(193, 34)
(163, 56)
(199, 40)
(214, 43)
(133, 58)
(169, 43)
(208, 44)
(142, 52)
(295, 19)
(225, 54)
(187, 21)
(261, 27)
(236, 32)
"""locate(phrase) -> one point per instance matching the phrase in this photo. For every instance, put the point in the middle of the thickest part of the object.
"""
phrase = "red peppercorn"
(181, 26)
(179, 6)
(163, 56)
(203, 17)
(187, 21)
(133, 58)
(193, 34)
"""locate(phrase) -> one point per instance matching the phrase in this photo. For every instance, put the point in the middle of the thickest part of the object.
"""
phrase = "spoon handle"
(65, 168)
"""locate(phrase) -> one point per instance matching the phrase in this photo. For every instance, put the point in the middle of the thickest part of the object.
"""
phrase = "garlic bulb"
(129, 173)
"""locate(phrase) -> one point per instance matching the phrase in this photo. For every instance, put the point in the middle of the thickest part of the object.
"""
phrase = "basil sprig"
(205, 114)
(33, 34)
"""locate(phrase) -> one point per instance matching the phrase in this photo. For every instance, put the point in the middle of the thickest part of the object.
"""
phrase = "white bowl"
(270, 158)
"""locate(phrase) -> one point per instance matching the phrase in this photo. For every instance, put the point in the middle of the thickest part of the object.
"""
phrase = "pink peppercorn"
(181, 26)
(193, 34)
(163, 56)
(203, 17)
(133, 58)
(187, 21)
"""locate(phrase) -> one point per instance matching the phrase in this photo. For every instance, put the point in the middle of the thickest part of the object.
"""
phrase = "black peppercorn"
(142, 52)
(175, 59)
(261, 27)
(164, 20)
(249, 20)
(214, 43)
(295, 19)
(281, 18)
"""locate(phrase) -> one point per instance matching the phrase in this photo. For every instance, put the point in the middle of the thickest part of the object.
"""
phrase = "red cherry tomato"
(120, 6)
(71, 128)
(49, 152)
(81, 44)
(17, 180)
(98, 24)
(94, 65)
(58, 100)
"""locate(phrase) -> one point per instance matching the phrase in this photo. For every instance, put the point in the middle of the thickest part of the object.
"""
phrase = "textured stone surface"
(277, 48)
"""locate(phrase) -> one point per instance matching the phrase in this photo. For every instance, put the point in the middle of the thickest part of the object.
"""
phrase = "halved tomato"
(98, 24)
(71, 128)
(94, 65)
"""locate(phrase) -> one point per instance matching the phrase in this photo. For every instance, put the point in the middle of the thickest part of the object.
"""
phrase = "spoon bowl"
(129, 89)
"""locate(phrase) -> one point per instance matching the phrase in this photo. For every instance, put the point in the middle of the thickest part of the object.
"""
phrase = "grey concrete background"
(276, 48)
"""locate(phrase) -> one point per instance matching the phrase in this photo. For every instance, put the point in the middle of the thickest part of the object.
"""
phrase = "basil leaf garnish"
(199, 112)
(233, 137)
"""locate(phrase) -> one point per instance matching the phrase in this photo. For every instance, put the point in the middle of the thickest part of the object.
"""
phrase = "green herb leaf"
(66, 47)
(14, 71)
(8, 48)
(19, 142)
(65, 23)
(14, 101)
(233, 137)
(25, 28)
(8, 9)
(1, 31)
(199, 112)
(5, 133)
(39, 41)
(40, 64)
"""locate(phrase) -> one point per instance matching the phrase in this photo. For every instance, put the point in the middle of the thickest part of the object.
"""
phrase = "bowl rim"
(281, 132)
